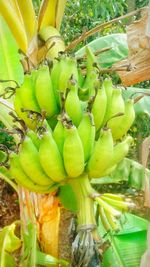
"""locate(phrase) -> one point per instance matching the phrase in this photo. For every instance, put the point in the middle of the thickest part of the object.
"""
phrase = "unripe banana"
(80, 77)
(54, 42)
(99, 107)
(102, 154)
(117, 106)
(55, 74)
(73, 152)
(108, 171)
(51, 159)
(34, 137)
(22, 179)
(108, 86)
(120, 151)
(91, 82)
(86, 131)
(73, 105)
(58, 135)
(126, 121)
(27, 94)
(30, 163)
(23, 115)
(68, 70)
(44, 92)
(91, 60)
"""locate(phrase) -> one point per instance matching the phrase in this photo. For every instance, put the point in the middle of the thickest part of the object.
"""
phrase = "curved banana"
(118, 131)
(68, 71)
(86, 131)
(55, 74)
(99, 108)
(23, 115)
(51, 159)
(117, 106)
(22, 179)
(73, 105)
(34, 137)
(59, 135)
(73, 152)
(27, 94)
(44, 92)
(102, 154)
(108, 87)
(30, 163)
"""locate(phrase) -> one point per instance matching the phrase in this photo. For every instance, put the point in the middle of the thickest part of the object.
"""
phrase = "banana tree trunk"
(44, 211)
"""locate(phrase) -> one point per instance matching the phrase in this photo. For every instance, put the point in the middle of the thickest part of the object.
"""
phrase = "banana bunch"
(86, 123)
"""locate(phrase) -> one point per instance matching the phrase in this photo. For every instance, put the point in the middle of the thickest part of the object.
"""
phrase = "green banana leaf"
(9, 242)
(65, 194)
(119, 49)
(126, 246)
(127, 170)
(143, 105)
(10, 67)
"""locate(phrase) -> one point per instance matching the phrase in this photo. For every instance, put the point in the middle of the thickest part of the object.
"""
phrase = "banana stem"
(83, 191)
(84, 247)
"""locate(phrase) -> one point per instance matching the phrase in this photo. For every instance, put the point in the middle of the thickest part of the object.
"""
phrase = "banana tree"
(44, 210)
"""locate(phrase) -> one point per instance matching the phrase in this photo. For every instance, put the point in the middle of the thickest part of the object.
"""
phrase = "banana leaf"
(126, 246)
(9, 242)
(119, 49)
(10, 67)
(127, 170)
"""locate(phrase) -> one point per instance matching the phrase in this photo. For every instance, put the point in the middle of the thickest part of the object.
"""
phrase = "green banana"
(119, 205)
(23, 115)
(117, 106)
(27, 94)
(73, 152)
(91, 60)
(118, 131)
(119, 152)
(112, 221)
(51, 159)
(86, 131)
(102, 154)
(91, 82)
(99, 108)
(108, 171)
(108, 87)
(58, 135)
(30, 163)
(55, 74)
(22, 179)
(34, 137)
(73, 105)
(44, 92)
(68, 70)
(80, 77)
